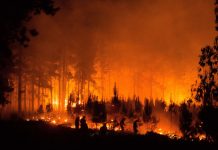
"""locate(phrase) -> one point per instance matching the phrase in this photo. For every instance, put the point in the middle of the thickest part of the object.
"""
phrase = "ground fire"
(106, 70)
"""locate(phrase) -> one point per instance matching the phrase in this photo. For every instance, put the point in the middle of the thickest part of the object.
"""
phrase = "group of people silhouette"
(82, 125)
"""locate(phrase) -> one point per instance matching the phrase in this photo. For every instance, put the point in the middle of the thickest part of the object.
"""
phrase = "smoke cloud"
(148, 47)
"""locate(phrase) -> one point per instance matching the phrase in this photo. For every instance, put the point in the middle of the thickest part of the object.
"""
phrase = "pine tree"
(147, 112)
(138, 105)
(115, 99)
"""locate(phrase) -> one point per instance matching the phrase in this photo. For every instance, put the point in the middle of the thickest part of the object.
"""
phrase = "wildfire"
(202, 137)
(160, 131)
(170, 134)
(69, 122)
(53, 122)
(74, 105)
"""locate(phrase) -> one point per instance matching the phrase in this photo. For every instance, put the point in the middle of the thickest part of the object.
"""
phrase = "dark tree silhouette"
(99, 114)
(209, 122)
(69, 104)
(124, 107)
(147, 112)
(206, 91)
(138, 105)
(216, 13)
(172, 110)
(185, 121)
(14, 15)
(89, 104)
(115, 99)
(160, 105)
(130, 108)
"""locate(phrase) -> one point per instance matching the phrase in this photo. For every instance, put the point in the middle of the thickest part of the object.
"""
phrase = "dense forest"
(37, 86)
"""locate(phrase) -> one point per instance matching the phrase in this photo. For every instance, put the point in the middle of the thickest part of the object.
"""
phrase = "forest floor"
(41, 135)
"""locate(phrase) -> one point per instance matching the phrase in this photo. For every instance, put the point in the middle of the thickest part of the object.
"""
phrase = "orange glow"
(53, 122)
(143, 128)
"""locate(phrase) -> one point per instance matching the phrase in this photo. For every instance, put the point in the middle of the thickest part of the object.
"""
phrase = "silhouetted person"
(77, 122)
(83, 124)
(135, 126)
(103, 129)
(40, 109)
(115, 123)
(122, 123)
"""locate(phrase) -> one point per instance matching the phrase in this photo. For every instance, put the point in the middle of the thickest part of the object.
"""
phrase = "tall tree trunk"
(59, 91)
(51, 93)
(88, 88)
(43, 96)
(32, 94)
(39, 93)
(20, 81)
(63, 92)
(24, 97)
(19, 92)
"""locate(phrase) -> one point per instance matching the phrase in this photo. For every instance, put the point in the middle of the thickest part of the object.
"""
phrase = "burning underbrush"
(112, 124)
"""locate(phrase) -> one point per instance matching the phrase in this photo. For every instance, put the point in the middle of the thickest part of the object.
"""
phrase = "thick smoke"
(149, 47)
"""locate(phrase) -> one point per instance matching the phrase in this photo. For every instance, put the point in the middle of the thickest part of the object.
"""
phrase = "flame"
(202, 137)
(74, 105)
(53, 122)
(64, 119)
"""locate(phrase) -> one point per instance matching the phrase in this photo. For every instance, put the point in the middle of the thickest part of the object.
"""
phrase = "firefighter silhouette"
(122, 123)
